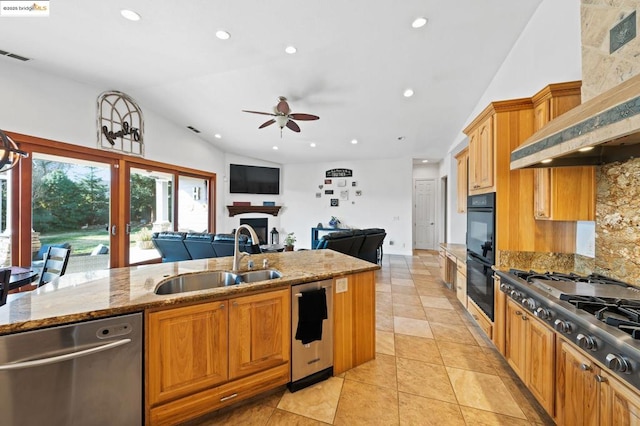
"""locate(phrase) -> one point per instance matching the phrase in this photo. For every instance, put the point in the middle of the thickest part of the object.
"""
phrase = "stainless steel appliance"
(87, 373)
(599, 314)
(311, 362)
(481, 221)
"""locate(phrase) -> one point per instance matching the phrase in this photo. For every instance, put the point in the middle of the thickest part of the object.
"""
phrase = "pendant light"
(9, 153)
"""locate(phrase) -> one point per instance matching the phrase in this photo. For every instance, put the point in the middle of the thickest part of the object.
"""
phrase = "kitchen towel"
(312, 310)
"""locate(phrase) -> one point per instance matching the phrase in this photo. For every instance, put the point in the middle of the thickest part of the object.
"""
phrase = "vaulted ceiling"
(354, 61)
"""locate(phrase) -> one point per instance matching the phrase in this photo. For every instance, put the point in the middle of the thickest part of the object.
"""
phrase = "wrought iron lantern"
(9, 153)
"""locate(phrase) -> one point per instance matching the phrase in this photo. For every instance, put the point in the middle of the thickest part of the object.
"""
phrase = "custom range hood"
(602, 130)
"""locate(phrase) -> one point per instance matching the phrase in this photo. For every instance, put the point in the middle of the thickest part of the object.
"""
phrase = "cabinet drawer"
(480, 317)
(462, 268)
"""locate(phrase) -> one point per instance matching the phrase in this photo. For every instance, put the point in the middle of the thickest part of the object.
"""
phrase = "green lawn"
(82, 241)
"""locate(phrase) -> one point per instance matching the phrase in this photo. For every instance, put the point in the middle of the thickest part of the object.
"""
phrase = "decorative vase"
(333, 223)
(288, 248)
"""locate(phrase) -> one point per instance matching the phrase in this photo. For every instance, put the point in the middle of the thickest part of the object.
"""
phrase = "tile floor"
(433, 366)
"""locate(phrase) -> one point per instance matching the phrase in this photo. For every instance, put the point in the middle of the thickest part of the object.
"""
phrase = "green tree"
(143, 197)
(95, 198)
(57, 208)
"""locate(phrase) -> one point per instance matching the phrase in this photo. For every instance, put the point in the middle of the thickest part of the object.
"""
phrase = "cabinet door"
(516, 334)
(540, 365)
(619, 405)
(463, 180)
(461, 283)
(577, 393)
(259, 332)
(187, 350)
(499, 316)
(485, 148)
(542, 193)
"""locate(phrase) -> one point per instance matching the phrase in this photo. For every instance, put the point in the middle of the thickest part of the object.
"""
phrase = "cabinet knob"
(585, 367)
(222, 306)
(600, 379)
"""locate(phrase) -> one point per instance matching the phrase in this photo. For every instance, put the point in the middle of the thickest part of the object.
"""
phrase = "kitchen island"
(210, 348)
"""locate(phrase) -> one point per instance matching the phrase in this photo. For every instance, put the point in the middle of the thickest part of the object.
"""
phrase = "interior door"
(424, 212)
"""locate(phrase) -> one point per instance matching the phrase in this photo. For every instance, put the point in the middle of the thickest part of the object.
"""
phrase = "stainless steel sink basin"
(213, 279)
(262, 275)
(194, 282)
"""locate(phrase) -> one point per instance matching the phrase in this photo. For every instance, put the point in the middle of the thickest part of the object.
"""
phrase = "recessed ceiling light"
(290, 50)
(130, 15)
(312, 144)
(419, 22)
(223, 35)
(354, 141)
(401, 138)
(546, 161)
(425, 161)
(408, 93)
(585, 149)
(217, 136)
(275, 148)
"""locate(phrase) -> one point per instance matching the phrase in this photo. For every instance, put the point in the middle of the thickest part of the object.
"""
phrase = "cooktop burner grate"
(623, 314)
(569, 277)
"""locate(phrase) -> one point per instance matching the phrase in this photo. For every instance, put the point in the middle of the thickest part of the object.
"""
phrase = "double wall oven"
(481, 221)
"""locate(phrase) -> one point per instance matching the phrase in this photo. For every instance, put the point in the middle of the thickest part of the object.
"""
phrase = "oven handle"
(477, 258)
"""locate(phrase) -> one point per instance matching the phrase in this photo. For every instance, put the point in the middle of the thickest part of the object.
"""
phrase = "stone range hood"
(602, 130)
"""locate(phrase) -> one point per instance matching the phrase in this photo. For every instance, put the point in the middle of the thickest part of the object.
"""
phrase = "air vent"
(14, 56)
(193, 129)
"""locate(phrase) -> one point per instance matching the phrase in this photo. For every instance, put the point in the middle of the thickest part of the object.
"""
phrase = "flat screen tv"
(254, 179)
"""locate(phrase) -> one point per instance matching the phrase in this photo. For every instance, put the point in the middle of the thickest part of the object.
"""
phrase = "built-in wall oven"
(481, 220)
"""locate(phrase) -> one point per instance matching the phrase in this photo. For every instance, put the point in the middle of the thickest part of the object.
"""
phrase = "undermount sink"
(207, 280)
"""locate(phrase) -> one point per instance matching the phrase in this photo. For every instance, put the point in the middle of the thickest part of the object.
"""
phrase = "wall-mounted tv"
(254, 179)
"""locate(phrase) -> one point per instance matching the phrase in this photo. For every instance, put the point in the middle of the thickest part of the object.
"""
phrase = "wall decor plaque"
(339, 173)
(120, 123)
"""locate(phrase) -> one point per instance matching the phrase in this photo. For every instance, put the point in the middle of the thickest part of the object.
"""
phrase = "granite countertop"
(458, 250)
(87, 295)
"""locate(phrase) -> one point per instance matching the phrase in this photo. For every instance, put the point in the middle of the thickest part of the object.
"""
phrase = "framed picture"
(358, 193)
(354, 183)
(342, 182)
(344, 195)
(318, 194)
(334, 202)
(327, 181)
(328, 191)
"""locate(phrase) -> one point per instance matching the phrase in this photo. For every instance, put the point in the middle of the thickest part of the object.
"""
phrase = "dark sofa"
(365, 244)
(175, 246)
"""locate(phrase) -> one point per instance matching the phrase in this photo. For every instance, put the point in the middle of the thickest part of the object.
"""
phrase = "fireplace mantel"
(272, 210)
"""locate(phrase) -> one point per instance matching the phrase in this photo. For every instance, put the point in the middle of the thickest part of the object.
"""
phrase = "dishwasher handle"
(325, 287)
(65, 357)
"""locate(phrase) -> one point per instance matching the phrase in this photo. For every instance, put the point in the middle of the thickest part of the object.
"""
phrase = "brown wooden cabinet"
(187, 350)
(463, 179)
(482, 157)
(530, 350)
(499, 315)
(259, 336)
(206, 356)
(619, 405)
(461, 281)
(561, 193)
(354, 313)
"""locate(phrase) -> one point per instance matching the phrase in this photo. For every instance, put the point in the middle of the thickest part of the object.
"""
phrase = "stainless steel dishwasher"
(311, 362)
(87, 373)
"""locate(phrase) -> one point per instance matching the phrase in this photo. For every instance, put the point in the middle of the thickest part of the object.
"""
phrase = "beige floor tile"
(384, 298)
(419, 411)
(477, 417)
(452, 333)
(432, 291)
(364, 404)
(412, 327)
(406, 299)
(424, 379)
(409, 311)
(481, 338)
(384, 321)
(483, 391)
(380, 371)
(403, 289)
(428, 281)
(417, 348)
(285, 418)
(526, 401)
(318, 402)
(467, 357)
(384, 307)
(443, 316)
(251, 414)
(497, 361)
(385, 342)
(406, 281)
(435, 302)
(383, 287)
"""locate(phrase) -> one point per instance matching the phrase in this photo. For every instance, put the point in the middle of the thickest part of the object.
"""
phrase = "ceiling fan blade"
(283, 107)
(303, 117)
(259, 112)
(293, 126)
(267, 123)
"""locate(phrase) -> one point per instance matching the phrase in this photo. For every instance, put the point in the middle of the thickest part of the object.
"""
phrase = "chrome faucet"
(237, 255)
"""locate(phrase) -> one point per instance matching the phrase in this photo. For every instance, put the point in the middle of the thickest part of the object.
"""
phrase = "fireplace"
(260, 226)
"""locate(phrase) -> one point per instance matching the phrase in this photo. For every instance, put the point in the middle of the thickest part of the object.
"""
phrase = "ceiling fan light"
(223, 35)
(281, 120)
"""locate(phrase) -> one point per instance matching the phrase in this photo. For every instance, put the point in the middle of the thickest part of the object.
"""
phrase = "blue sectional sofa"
(174, 246)
(364, 244)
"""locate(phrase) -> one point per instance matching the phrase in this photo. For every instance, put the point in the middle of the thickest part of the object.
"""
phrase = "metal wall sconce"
(9, 153)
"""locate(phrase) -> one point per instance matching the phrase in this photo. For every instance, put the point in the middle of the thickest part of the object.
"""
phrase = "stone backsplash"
(540, 262)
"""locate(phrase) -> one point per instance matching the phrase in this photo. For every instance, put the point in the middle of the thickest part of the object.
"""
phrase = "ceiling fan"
(284, 117)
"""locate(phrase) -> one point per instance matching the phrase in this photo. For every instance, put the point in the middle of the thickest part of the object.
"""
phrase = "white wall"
(386, 200)
(547, 51)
